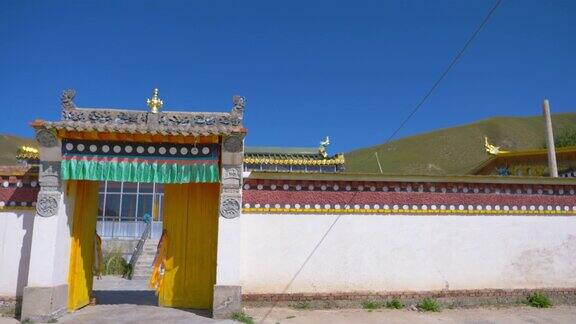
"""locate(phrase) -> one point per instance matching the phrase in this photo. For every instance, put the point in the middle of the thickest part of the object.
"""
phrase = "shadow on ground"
(135, 297)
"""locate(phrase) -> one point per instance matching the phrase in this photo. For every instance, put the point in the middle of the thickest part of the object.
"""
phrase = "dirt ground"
(125, 301)
(151, 314)
(508, 315)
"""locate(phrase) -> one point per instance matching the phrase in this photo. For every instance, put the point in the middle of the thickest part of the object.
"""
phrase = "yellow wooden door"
(191, 224)
(84, 194)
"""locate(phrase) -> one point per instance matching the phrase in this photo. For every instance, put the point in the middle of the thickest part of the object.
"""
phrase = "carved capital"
(46, 138)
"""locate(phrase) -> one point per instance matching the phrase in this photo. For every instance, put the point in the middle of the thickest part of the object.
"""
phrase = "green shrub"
(538, 300)
(371, 305)
(242, 318)
(115, 264)
(428, 305)
(394, 304)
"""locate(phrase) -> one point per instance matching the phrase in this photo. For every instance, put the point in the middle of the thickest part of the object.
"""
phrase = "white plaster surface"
(228, 255)
(15, 240)
(49, 258)
(406, 253)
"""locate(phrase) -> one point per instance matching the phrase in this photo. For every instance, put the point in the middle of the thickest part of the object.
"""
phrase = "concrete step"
(140, 277)
(149, 256)
(145, 258)
(143, 266)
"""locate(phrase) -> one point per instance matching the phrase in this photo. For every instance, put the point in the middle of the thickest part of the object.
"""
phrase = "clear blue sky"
(352, 70)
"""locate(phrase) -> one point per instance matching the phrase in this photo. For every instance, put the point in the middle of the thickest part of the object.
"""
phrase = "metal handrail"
(139, 247)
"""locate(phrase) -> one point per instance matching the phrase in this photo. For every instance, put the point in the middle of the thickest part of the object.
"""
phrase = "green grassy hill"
(9, 145)
(456, 150)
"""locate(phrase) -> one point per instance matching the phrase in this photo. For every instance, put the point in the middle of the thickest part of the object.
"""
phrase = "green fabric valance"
(139, 171)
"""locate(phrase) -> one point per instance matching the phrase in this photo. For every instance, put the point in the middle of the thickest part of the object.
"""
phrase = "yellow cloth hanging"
(84, 195)
(159, 264)
(191, 221)
(98, 257)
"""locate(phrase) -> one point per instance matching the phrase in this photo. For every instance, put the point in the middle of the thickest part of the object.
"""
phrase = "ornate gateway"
(186, 151)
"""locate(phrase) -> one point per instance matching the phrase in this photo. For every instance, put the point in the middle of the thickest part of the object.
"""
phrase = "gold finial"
(155, 104)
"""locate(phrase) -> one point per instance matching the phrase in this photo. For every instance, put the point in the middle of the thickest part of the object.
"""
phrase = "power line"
(447, 69)
(412, 113)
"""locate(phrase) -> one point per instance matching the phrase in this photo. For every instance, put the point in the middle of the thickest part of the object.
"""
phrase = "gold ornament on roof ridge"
(323, 146)
(28, 149)
(155, 104)
(492, 149)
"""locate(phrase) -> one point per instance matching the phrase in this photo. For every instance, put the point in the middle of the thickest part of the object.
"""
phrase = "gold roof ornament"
(323, 145)
(29, 149)
(155, 104)
(492, 149)
(335, 160)
(27, 152)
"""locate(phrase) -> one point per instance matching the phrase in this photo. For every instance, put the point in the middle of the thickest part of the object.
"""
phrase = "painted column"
(227, 291)
(46, 295)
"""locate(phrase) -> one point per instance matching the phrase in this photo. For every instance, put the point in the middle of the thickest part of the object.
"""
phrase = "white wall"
(15, 241)
(401, 253)
(50, 248)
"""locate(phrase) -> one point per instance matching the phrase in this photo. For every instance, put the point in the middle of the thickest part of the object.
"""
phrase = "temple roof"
(145, 122)
(27, 153)
(290, 156)
(564, 155)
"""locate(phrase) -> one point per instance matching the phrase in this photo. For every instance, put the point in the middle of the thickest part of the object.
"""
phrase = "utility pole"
(378, 160)
(552, 166)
